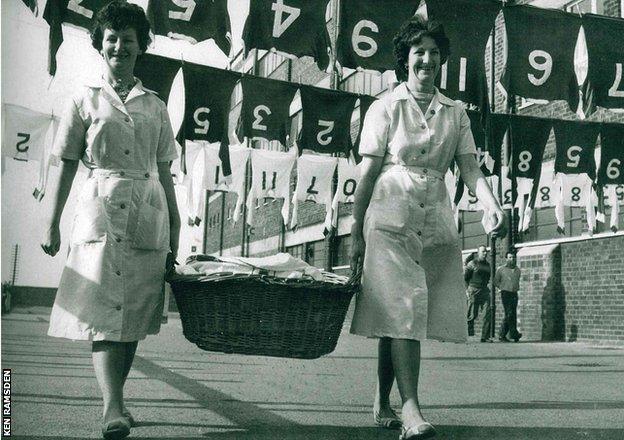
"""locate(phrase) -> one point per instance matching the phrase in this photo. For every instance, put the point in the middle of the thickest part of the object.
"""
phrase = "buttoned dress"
(112, 285)
(412, 280)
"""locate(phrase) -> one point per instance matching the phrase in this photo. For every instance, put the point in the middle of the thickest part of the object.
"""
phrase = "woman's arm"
(475, 181)
(370, 168)
(51, 240)
(164, 175)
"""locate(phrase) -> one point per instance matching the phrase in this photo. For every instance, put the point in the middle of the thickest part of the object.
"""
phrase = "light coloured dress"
(113, 280)
(412, 281)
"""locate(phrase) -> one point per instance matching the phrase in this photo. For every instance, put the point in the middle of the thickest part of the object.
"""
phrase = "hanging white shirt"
(270, 177)
(24, 132)
(348, 180)
(314, 182)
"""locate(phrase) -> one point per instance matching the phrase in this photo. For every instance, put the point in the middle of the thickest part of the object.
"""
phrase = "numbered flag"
(207, 93)
(315, 175)
(547, 187)
(157, 73)
(528, 140)
(575, 145)
(192, 20)
(326, 120)
(23, 132)
(614, 197)
(295, 27)
(365, 102)
(496, 126)
(485, 157)
(215, 180)
(463, 76)
(367, 30)
(348, 179)
(611, 170)
(604, 37)
(266, 108)
(540, 63)
(574, 190)
(270, 177)
(78, 13)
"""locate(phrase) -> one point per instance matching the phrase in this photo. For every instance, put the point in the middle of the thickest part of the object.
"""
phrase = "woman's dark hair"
(120, 15)
(411, 33)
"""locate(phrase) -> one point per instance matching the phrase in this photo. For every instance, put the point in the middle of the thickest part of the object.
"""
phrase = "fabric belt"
(124, 173)
(425, 172)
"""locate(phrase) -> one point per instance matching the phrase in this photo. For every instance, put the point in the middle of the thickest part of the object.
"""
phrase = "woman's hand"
(358, 247)
(499, 221)
(51, 240)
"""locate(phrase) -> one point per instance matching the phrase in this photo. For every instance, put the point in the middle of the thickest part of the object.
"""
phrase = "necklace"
(122, 88)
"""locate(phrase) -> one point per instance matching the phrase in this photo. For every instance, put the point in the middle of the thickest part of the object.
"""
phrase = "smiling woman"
(126, 221)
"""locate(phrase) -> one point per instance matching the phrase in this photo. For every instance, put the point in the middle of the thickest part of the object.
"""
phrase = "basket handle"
(356, 278)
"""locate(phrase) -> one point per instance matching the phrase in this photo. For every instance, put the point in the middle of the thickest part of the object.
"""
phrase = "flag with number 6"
(611, 170)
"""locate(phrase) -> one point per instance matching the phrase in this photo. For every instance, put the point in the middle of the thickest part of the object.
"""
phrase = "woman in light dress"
(126, 220)
(404, 236)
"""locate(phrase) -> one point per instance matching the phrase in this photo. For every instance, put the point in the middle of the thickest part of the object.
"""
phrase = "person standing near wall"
(477, 276)
(507, 280)
(112, 287)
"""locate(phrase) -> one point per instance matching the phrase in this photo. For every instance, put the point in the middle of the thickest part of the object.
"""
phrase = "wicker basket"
(262, 315)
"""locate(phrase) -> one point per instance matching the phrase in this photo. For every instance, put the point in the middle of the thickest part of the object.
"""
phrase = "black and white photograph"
(312, 219)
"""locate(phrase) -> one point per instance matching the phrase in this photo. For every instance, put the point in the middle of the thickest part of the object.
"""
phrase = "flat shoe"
(116, 429)
(422, 431)
(393, 422)
(129, 418)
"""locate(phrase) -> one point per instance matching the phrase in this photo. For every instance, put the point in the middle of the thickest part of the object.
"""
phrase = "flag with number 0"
(192, 20)
(540, 63)
(367, 30)
(295, 27)
(326, 120)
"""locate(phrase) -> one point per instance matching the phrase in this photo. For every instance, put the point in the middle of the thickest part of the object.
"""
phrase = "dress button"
(419, 233)
(422, 205)
(122, 206)
(127, 119)
(425, 170)
(121, 173)
(127, 152)
(117, 273)
(423, 126)
(432, 111)
(118, 308)
(423, 151)
(146, 174)
(118, 240)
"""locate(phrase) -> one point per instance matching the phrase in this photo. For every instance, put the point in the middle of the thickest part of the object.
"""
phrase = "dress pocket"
(152, 232)
(90, 222)
(390, 215)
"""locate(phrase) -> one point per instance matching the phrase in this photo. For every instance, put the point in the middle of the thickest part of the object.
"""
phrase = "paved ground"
(473, 391)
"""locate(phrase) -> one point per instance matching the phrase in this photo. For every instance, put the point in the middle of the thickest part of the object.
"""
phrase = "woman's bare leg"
(406, 363)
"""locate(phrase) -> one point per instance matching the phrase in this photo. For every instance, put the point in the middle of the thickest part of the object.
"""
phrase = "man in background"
(507, 280)
(477, 276)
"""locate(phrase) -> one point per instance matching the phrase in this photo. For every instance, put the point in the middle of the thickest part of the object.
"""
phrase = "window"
(315, 253)
(269, 63)
(342, 249)
(367, 83)
(296, 251)
(472, 233)
(585, 6)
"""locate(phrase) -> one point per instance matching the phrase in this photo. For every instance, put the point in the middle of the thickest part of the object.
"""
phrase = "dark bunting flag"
(266, 108)
(575, 145)
(540, 53)
(367, 29)
(207, 93)
(496, 126)
(326, 120)
(157, 73)
(611, 171)
(467, 24)
(296, 27)
(528, 141)
(365, 103)
(488, 154)
(193, 21)
(77, 13)
(32, 5)
(604, 85)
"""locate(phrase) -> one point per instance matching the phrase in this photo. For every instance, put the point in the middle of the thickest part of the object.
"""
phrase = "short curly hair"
(119, 15)
(411, 33)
